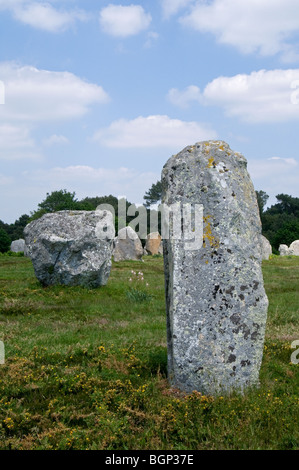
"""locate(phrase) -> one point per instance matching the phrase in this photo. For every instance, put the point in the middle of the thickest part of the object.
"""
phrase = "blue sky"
(96, 95)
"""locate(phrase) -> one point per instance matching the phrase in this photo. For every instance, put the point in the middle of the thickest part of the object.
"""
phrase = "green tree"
(94, 202)
(262, 199)
(280, 222)
(5, 241)
(286, 205)
(56, 201)
(154, 194)
(288, 233)
(15, 230)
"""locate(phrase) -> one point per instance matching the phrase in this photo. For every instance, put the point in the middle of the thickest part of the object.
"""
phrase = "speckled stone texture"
(215, 298)
(71, 247)
(127, 245)
(294, 248)
(266, 248)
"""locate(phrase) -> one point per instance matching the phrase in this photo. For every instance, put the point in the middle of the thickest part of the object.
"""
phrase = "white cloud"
(56, 139)
(124, 21)
(89, 181)
(263, 96)
(153, 131)
(261, 26)
(152, 36)
(42, 15)
(34, 96)
(184, 98)
(275, 175)
(16, 143)
(26, 190)
(171, 7)
(38, 95)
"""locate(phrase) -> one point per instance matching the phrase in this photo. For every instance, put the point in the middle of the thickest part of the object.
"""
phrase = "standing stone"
(215, 298)
(294, 248)
(71, 247)
(283, 250)
(266, 248)
(127, 245)
(153, 243)
(18, 246)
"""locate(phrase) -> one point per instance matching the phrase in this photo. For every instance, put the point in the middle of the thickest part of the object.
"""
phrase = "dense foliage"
(4, 241)
(280, 222)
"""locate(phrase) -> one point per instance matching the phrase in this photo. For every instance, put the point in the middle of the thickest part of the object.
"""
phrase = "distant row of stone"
(68, 247)
(293, 249)
(65, 248)
(126, 247)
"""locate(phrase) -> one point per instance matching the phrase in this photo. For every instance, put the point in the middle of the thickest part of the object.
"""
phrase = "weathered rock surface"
(294, 248)
(283, 250)
(215, 298)
(18, 246)
(71, 247)
(127, 245)
(266, 248)
(153, 243)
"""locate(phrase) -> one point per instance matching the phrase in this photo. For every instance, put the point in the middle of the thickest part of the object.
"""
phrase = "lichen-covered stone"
(127, 245)
(18, 246)
(153, 243)
(266, 248)
(215, 298)
(71, 247)
(294, 248)
(283, 250)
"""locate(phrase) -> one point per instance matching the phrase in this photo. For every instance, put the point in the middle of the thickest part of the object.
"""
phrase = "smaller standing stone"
(18, 246)
(294, 248)
(153, 243)
(283, 250)
(127, 245)
(266, 248)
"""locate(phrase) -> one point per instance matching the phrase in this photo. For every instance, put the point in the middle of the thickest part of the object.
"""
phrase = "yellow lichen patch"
(208, 237)
(210, 162)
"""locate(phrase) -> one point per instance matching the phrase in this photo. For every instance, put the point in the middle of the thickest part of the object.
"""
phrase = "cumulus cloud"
(34, 97)
(153, 131)
(32, 94)
(16, 143)
(263, 96)
(171, 7)
(90, 181)
(275, 175)
(250, 26)
(185, 97)
(124, 21)
(42, 15)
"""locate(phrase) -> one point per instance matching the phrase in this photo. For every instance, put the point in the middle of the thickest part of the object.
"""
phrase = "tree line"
(280, 222)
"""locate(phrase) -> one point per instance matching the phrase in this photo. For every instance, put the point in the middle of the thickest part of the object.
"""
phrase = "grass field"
(86, 369)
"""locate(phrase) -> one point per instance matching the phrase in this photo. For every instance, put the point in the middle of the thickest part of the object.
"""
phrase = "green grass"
(87, 369)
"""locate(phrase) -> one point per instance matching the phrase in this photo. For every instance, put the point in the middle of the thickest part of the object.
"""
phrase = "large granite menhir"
(215, 298)
(71, 247)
